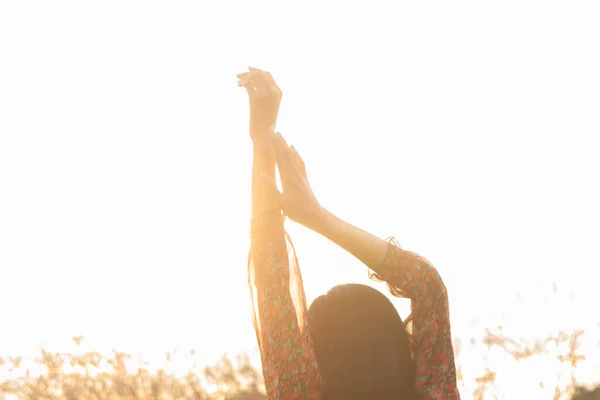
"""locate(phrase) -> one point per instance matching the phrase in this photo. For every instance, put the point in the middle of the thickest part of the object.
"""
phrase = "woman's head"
(361, 345)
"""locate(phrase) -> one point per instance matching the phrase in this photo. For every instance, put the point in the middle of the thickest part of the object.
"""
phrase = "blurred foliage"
(520, 350)
(90, 375)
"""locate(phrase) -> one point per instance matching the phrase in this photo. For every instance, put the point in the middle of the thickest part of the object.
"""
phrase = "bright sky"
(466, 129)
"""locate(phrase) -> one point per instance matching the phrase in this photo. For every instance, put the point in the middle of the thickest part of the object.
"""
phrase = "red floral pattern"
(280, 316)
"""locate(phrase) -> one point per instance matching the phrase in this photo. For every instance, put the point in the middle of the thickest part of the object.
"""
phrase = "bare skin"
(264, 98)
(297, 201)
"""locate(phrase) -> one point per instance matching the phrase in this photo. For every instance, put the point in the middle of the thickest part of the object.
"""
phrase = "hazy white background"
(469, 130)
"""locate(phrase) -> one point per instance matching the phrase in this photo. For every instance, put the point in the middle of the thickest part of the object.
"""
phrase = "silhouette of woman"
(351, 343)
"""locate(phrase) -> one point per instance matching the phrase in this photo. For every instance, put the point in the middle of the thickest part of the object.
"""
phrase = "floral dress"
(289, 363)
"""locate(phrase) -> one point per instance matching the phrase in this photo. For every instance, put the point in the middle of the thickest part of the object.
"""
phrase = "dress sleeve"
(280, 314)
(410, 275)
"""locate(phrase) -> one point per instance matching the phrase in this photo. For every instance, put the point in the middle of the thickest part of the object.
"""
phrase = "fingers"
(251, 82)
(282, 155)
(243, 77)
(291, 171)
(255, 75)
(248, 86)
(282, 150)
(288, 155)
(259, 81)
(244, 81)
(299, 161)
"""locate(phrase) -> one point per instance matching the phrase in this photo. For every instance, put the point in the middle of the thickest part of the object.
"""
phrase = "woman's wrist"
(263, 164)
(323, 222)
(263, 148)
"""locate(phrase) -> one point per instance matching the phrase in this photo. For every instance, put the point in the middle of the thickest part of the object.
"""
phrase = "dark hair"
(361, 345)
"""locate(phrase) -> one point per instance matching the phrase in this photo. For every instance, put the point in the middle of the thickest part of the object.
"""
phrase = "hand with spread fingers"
(264, 96)
(297, 201)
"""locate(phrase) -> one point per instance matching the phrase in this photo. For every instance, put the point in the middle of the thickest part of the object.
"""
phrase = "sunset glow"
(467, 130)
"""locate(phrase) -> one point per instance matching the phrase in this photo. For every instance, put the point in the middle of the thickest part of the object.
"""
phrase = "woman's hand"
(264, 96)
(297, 201)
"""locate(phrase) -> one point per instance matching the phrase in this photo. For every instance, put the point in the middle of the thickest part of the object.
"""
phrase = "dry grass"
(91, 376)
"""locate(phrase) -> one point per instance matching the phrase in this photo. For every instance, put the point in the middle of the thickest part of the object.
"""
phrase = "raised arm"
(289, 364)
(407, 275)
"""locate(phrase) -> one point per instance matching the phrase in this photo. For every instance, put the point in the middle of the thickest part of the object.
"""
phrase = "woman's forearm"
(368, 248)
(263, 163)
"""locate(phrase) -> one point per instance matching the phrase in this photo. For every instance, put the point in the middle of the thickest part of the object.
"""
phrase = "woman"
(351, 343)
